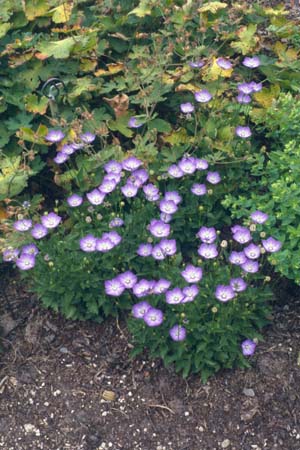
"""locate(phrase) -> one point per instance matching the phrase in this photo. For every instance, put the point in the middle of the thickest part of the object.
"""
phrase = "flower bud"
(50, 263)
(99, 217)
(252, 227)
(262, 234)
(267, 279)
(182, 315)
(88, 219)
(122, 203)
(214, 309)
(20, 216)
(201, 208)
(224, 244)
(210, 191)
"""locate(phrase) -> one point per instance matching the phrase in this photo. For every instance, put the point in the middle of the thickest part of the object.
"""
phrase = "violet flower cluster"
(68, 148)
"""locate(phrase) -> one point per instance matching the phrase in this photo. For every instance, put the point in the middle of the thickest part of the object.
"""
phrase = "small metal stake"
(51, 89)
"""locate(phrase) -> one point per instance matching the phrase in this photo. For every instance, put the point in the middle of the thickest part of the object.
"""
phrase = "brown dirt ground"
(71, 385)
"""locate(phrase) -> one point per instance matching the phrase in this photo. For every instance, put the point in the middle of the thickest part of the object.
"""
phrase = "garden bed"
(58, 380)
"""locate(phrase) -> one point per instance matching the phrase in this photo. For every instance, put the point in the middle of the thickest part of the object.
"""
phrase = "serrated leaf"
(212, 7)
(37, 137)
(266, 96)
(35, 8)
(247, 39)
(160, 125)
(285, 54)
(58, 49)
(112, 70)
(62, 13)
(121, 125)
(36, 104)
(142, 9)
(4, 27)
(177, 137)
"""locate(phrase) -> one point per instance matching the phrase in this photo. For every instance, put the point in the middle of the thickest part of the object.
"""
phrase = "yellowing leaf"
(167, 79)
(35, 104)
(177, 137)
(112, 70)
(4, 27)
(59, 49)
(279, 11)
(187, 87)
(285, 54)
(212, 7)
(62, 13)
(213, 72)
(266, 96)
(3, 213)
(142, 10)
(87, 64)
(247, 40)
(35, 8)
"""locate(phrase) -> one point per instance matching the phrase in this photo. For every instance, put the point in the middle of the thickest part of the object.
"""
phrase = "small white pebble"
(129, 394)
(104, 413)
(186, 413)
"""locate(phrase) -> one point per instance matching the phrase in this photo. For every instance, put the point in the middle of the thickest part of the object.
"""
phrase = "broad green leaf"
(266, 96)
(177, 137)
(62, 13)
(4, 27)
(36, 104)
(160, 125)
(35, 8)
(121, 125)
(142, 10)
(247, 40)
(37, 137)
(58, 49)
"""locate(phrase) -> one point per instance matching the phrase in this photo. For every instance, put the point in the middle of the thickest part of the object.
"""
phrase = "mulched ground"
(71, 385)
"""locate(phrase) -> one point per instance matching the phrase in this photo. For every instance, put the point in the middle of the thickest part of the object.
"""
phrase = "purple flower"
(177, 333)
(168, 206)
(23, 225)
(113, 167)
(140, 309)
(116, 177)
(236, 228)
(201, 164)
(54, 136)
(131, 163)
(159, 229)
(68, 149)
(187, 108)
(133, 122)
(113, 236)
(213, 177)
(196, 64)
(157, 253)
(271, 245)
(242, 235)
(151, 192)
(141, 175)
(224, 63)
(238, 284)
(95, 197)
(116, 222)
(252, 251)
(259, 217)
(142, 288)
(88, 243)
(104, 245)
(25, 262)
(256, 87)
(175, 171)
(203, 96)
(129, 190)
(114, 287)
(107, 186)
(77, 145)
(39, 231)
(153, 317)
(87, 138)
(237, 258)
(166, 217)
(248, 347)
(51, 220)
(128, 279)
(174, 296)
(251, 63)
(245, 88)
(243, 98)
(61, 157)
(190, 293)
(30, 249)
(187, 165)
(208, 251)
(199, 189)
(168, 246)
(161, 286)
(243, 132)
(10, 254)
(250, 266)
(144, 250)
(224, 293)
(74, 200)
(173, 196)
(207, 235)
(192, 274)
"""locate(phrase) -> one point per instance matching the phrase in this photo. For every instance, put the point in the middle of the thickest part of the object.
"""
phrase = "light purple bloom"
(242, 236)
(140, 309)
(248, 347)
(252, 251)
(177, 333)
(113, 167)
(251, 63)
(133, 122)
(208, 251)
(128, 279)
(153, 317)
(131, 163)
(87, 138)
(243, 132)
(245, 88)
(243, 98)
(192, 274)
(129, 190)
(187, 165)
(207, 234)
(104, 245)
(114, 287)
(159, 229)
(77, 145)
(203, 96)
(68, 149)
(224, 63)
(144, 250)
(161, 286)
(236, 228)
(187, 108)
(166, 217)
(157, 253)
(39, 231)
(271, 245)
(51, 220)
(224, 293)
(190, 293)
(30, 249)
(23, 225)
(116, 222)
(213, 177)
(168, 246)
(250, 266)
(259, 217)
(142, 288)
(174, 296)
(107, 186)
(168, 206)
(141, 174)
(116, 177)
(201, 164)
(74, 200)
(113, 236)
(88, 243)
(256, 87)
(238, 284)
(198, 189)
(10, 254)
(60, 158)
(175, 171)
(196, 64)
(151, 192)
(237, 258)
(173, 196)
(25, 262)
(95, 197)
(54, 136)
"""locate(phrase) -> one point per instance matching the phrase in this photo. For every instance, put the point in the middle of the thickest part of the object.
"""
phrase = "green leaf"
(142, 10)
(58, 49)
(160, 125)
(4, 27)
